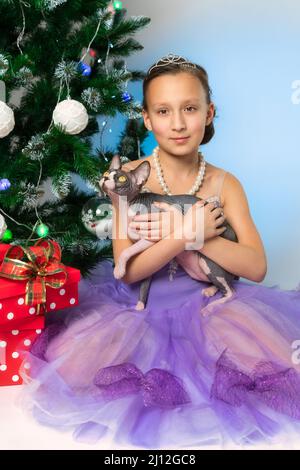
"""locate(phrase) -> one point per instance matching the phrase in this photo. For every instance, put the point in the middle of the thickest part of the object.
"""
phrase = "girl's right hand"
(211, 218)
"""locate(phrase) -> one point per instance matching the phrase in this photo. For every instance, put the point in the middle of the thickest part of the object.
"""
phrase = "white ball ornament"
(7, 119)
(3, 226)
(71, 115)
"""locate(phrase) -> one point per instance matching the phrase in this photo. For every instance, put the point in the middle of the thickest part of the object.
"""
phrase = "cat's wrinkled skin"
(115, 183)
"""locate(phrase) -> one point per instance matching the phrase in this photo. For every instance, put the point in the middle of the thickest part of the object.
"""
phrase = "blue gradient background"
(251, 51)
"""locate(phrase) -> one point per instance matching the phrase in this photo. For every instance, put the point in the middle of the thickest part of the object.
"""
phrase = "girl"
(168, 376)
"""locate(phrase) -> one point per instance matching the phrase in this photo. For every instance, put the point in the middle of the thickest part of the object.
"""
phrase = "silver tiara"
(172, 59)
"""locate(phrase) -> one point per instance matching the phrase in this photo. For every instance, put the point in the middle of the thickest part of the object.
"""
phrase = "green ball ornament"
(117, 5)
(7, 236)
(42, 230)
(96, 216)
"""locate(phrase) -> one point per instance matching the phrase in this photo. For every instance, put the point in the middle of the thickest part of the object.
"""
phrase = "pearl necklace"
(199, 180)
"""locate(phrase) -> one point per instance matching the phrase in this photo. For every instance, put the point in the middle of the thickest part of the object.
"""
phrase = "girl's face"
(177, 107)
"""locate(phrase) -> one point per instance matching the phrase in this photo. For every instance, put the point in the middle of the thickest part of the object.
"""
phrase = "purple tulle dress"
(167, 376)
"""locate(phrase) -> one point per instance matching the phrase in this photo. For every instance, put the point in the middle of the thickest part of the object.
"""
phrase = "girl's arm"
(151, 260)
(247, 257)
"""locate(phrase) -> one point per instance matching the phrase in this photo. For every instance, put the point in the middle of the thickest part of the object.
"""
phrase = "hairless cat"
(115, 183)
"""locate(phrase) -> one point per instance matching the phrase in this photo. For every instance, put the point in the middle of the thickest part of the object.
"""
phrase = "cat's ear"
(142, 172)
(115, 163)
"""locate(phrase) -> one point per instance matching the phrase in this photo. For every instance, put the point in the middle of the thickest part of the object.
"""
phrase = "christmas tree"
(62, 65)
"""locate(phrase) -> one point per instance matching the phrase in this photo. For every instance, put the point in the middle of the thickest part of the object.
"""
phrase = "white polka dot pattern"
(13, 346)
(14, 341)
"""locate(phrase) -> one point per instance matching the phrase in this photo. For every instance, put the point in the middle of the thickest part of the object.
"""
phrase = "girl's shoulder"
(215, 177)
(225, 182)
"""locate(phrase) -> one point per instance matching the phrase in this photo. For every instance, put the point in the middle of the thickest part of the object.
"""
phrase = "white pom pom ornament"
(3, 226)
(71, 115)
(7, 119)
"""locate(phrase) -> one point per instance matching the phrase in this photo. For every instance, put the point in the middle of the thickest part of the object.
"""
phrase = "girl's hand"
(157, 225)
(199, 223)
(203, 222)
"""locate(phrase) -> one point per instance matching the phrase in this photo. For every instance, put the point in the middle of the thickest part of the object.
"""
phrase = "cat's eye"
(106, 174)
(122, 179)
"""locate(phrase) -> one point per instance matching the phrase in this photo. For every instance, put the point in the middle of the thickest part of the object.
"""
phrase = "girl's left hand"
(157, 225)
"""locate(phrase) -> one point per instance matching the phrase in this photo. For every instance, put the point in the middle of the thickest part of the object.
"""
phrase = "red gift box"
(14, 343)
(21, 323)
(3, 250)
(16, 313)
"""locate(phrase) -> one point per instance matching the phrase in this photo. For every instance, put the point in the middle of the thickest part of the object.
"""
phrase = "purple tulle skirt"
(167, 376)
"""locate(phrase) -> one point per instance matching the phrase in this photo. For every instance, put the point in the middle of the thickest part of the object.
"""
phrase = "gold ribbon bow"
(42, 268)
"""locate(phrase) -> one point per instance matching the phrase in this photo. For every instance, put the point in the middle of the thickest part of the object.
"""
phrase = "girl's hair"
(175, 67)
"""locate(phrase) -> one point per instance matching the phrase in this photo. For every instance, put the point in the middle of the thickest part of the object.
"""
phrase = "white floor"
(20, 431)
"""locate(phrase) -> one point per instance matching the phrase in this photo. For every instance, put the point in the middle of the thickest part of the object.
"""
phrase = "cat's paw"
(119, 271)
(209, 291)
(140, 305)
(120, 268)
(215, 305)
(206, 311)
